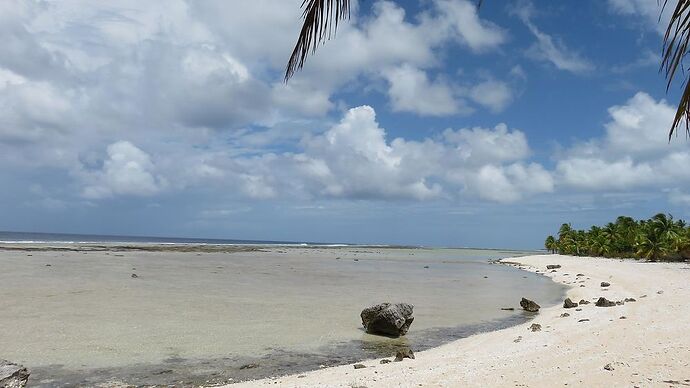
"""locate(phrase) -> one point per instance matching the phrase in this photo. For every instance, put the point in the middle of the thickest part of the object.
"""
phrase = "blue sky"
(421, 122)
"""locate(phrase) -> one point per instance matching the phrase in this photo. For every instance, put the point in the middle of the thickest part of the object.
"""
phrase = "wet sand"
(74, 313)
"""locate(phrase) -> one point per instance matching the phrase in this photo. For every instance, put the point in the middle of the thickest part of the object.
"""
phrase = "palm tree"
(550, 244)
(321, 18)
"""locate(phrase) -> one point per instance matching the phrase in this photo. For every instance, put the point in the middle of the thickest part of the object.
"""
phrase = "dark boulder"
(603, 302)
(567, 303)
(388, 319)
(529, 305)
(605, 284)
(13, 375)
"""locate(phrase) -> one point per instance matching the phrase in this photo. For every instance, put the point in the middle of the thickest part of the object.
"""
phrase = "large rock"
(388, 319)
(12, 375)
(529, 305)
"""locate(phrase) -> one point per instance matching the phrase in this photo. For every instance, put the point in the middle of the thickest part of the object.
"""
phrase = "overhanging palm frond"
(321, 19)
(676, 42)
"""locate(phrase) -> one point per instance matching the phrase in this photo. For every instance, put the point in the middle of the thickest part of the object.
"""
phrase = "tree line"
(657, 238)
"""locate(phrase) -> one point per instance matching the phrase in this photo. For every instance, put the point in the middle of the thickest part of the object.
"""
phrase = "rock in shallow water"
(529, 305)
(388, 319)
(13, 375)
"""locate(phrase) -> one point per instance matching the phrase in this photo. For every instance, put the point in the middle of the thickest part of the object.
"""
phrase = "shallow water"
(199, 317)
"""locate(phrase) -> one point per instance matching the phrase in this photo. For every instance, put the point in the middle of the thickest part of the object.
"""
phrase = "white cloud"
(127, 171)
(354, 159)
(550, 49)
(648, 11)
(494, 95)
(509, 183)
(485, 146)
(411, 91)
(634, 151)
(463, 24)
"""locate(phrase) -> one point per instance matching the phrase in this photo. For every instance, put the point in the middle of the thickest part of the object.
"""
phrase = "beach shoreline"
(645, 342)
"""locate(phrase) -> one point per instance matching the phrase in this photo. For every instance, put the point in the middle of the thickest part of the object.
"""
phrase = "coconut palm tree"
(550, 244)
(321, 19)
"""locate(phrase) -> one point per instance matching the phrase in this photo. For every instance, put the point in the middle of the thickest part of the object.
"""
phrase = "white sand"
(651, 347)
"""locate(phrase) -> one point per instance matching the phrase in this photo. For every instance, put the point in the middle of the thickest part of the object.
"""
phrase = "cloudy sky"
(422, 122)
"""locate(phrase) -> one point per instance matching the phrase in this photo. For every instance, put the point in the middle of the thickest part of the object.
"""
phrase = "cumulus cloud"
(355, 159)
(633, 152)
(127, 171)
(411, 91)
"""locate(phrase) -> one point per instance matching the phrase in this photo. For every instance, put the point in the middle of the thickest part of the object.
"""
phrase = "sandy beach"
(645, 343)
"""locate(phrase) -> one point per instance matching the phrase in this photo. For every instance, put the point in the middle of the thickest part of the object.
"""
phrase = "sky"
(422, 122)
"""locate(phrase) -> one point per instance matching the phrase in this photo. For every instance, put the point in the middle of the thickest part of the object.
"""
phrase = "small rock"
(385, 361)
(603, 302)
(582, 285)
(535, 327)
(553, 270)
(404, 353)
(623, 317)
(605, 284)
(564, 315)
(48, 265)
(508, 308)
(426, 266)
(486, 277)
(608, 367)
(359, 366)
(643, 296)
(578, 309)
(249, 366)
(134, 276)
(582, 301)
(356, 259)
(568, 304)
(518, 339)
(584, 320)
(529, 305)
(580, 274)
(553, 266)
(620, 303)
(660, 292)
(13, 375)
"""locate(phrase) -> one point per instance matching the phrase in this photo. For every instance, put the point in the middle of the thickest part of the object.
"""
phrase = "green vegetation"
(658, 238)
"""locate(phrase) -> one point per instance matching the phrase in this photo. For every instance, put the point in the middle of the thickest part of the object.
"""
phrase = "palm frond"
(321, 19)
(676, 43)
